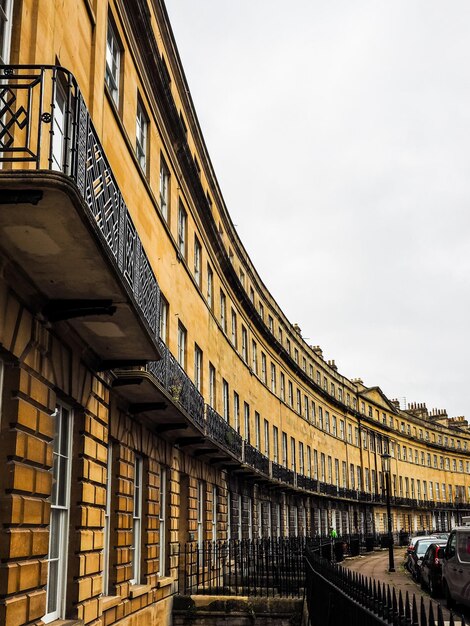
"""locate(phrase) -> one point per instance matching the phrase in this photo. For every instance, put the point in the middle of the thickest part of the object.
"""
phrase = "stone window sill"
(165, 581)
(109, 601)
(138, 590)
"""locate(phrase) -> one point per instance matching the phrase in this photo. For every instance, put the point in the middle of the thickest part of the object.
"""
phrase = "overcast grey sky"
(340, 134)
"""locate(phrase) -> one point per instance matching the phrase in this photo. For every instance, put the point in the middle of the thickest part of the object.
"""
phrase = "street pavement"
(374, 565)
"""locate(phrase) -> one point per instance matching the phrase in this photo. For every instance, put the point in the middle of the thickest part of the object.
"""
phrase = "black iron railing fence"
(253, 567)
(45, 125)
(336, 595)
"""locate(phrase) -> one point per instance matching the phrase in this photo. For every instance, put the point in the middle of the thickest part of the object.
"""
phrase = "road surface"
(374, 565)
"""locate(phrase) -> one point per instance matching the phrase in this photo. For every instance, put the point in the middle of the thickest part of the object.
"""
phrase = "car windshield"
(422, 546)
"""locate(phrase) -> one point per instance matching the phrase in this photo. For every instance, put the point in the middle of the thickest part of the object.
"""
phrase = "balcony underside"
(48, 234)
(163, 414)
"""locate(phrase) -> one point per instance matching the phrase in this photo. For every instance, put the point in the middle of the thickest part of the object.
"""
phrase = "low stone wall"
(239, 611)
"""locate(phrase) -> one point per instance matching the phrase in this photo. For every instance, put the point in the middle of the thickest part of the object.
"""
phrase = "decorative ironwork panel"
(17, 114)
(147, 292)
(130, 250)
(101, 192)
(257, 460)
(184, 391)
(305, 482)
(283, 474)
(80, 169)
(221, 432)
(160, 368)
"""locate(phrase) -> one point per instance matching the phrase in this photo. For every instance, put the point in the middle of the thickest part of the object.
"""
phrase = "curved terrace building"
(153, 393)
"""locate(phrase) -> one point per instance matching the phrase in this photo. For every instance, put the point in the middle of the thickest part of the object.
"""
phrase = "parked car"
(456, 567)
(431, 567)
(416, 557)
(411, 547)
(442, 535)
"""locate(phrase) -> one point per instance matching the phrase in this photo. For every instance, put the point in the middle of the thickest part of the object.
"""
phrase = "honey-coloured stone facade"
(160, 400)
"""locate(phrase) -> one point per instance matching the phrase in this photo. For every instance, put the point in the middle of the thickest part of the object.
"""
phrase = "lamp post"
(386, 472)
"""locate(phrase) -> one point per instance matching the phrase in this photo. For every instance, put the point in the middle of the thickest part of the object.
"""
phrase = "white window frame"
(210, 287)
(200, 517)
(257, 431)
(223, 311)
(229, 515)
(60, 514)
(113, 62)
(244, 344)
(164, 307)
(107, 521)
(246, 415)
(273, 378)
(214, 513)
(226, 400)
(264, 375)
(275, 444)
(162, 521)
(136, 547)
(182, 336)
(211, 385)
(182, 225)
(141, 135)
(254, 357)
(164, 188)
(234, 329)
(197, 260)
(198, 367)
(236, 411)
(250, 518)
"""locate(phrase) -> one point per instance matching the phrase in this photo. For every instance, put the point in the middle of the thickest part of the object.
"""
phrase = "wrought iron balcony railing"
(279, 472)
(177, 383)
(221, 432)
(256, 459)
(45, 125)
(305, 482)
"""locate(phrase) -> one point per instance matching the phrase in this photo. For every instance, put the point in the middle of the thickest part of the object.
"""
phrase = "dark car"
(431, 568)
(411, 548)
(416, 557)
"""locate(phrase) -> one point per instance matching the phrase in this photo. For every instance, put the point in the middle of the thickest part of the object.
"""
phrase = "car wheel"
(448, 597)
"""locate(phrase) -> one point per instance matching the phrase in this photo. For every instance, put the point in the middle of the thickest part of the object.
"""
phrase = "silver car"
(456, 567)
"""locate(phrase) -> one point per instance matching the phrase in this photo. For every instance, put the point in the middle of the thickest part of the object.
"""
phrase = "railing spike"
(422, 613)
(431, 621)
(401, 610)
(394, 608)
(384, 600)
(379, 600)
(374, 597)
(371, 595)
(389, 604)
(414, 613)
(451, 620)
(407, 609)
(440, 616)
